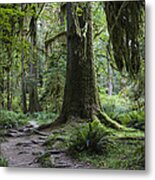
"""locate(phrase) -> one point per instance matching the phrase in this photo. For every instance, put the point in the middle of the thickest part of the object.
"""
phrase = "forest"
(72, 85)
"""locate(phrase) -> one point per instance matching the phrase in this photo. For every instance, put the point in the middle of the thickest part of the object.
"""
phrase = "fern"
(93, 137)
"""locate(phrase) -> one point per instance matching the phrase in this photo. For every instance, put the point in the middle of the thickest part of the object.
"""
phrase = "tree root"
(108, 122)
(98, 115)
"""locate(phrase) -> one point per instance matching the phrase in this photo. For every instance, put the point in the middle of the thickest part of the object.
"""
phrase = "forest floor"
(25, 148)
(30, 147)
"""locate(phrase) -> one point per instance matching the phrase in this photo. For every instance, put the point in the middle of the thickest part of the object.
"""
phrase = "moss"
(3, 162)
(123, 153)
(127, 156)
(45, 160)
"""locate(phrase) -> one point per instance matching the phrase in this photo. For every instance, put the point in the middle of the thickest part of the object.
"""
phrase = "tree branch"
(49, 41)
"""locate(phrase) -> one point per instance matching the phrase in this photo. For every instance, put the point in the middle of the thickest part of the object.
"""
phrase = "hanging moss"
(125, 21)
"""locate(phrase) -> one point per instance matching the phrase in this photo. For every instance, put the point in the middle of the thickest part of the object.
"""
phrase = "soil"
(23, 147)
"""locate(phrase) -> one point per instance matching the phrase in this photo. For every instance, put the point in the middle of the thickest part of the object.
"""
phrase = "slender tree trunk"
(33, 90)
(2, 87)
(23, 87)
(8, 81)
(80, 95)
(109, 79)
(23, 83)
(8, 89)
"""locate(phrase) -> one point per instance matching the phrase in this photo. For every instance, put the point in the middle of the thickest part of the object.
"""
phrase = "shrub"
(3, 162)
(43, 117)
(121, 110)
(10, 119)
(92, 137)
(135, 119)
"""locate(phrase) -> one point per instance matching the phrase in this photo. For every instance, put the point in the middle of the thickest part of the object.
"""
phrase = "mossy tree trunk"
(81, 98)
(23, 77)
(80, 95)
(34, 105)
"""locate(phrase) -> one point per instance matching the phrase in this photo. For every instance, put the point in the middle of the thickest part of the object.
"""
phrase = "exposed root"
(108, 122)
(98, 115)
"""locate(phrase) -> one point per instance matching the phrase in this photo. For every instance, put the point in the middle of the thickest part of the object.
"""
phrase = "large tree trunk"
(80, 95)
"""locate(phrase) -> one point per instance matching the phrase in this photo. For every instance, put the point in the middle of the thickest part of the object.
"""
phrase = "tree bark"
(23, 87)
(23, 83)
(80, 95)
(8, 79)
(34, 105)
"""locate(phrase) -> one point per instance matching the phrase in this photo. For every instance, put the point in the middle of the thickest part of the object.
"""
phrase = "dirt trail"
(23, 150)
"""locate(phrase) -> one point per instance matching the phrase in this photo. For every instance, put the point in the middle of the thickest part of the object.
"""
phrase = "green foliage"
(115, 105)
(129, 155)
(123, 155)
(134, 119)
(10, 119)
(3, 162)
(93, 137)
(45, 161)
(43, 117)
(120, 109)
(52, 95)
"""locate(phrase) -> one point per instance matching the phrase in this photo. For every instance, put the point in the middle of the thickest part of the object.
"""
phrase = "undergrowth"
(96, 144)
(93, 137)
(43, 117)
(121, 156)
(124, 111)
(10, 119)
(3, 162)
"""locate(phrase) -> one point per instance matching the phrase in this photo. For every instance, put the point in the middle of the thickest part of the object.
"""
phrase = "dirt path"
(23, 150)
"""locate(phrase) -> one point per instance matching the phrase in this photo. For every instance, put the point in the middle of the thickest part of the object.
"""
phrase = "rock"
(14, 134)
(54, 151)
(23, 152)
(40, 132)
(35, 141)
(37, 153)
(42, 137)
(20, 130)
(24, 144)
(13, 131)
(62, 165)
(33, 124)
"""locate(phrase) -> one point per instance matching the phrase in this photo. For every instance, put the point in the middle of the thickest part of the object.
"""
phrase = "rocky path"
(23, 148)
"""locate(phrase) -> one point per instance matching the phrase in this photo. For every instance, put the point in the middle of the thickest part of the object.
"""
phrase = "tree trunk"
(23, 87)
(33, 90)
(8, 71)
(80, 95)
(81, 99)
(2, 88)
(109, 78)
(23, 83)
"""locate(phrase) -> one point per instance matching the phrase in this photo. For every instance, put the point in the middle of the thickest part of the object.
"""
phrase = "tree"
(33, 91)
(80, 95)
(81, 100)
(34, 105)
(125, 20)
